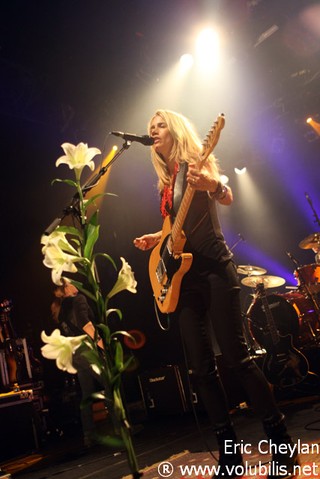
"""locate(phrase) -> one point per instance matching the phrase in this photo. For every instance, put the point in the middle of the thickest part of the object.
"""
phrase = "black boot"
(283, 460)
(229, 454)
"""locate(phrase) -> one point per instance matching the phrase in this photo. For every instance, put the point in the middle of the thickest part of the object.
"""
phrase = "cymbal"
(311, 241)
(268, 281)
(250, 270)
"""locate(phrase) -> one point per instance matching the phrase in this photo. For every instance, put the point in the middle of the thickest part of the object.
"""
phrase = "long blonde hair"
(186, 145)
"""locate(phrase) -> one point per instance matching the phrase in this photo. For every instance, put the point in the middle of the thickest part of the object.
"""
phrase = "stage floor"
(166, 445)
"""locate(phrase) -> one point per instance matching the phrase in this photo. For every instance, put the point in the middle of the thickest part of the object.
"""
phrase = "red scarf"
(167, 195)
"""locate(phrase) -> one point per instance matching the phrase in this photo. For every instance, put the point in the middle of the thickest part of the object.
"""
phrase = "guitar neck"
(182, 213)
(207, 147)
(270, 320)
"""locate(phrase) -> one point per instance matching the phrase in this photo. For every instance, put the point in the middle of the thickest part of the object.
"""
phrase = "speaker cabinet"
(19, 428)
(162, 390)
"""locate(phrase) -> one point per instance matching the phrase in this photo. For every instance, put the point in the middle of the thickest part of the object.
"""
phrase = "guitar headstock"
(212, 137)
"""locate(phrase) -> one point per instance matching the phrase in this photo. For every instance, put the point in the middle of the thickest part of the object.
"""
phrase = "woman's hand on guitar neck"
(203, 180)
(147, 241)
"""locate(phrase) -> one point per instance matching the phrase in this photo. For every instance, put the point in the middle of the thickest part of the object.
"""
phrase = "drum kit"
(295, 313)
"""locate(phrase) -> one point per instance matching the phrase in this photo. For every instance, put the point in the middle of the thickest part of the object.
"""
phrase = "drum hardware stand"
(308, 294)
(317, 219)
(240, 238)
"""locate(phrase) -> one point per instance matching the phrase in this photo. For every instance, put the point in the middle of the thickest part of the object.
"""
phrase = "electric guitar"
(8, 338)
(168, 263)
(283, 365)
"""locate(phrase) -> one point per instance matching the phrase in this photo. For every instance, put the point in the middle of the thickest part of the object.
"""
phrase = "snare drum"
(309, 275)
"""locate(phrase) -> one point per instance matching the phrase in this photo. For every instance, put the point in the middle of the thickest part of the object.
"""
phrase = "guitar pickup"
(161, 271)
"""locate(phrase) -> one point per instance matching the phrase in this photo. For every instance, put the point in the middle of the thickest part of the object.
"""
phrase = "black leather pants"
(210, 305)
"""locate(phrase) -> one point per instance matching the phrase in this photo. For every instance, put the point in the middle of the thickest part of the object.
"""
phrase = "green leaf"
(128, 362)
(108, 257)
(115, 377)
(114, 310)
(104, 332)
(68, 182)
(94, 219)
(95, 197)
(123, 333)
(92, 235)
(118, 357)
(83, 290)
(70, 230)
(92, 356)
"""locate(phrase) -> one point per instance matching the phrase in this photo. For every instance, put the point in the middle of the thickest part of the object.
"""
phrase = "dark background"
(74, 71)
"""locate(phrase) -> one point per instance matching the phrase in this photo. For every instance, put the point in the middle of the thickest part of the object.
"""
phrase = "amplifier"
(19, 424)
(162, 390)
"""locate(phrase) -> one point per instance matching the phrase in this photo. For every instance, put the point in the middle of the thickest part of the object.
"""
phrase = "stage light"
(186, 62)
(224, 179)
(314, 124)
(207, 48)
(240, 171)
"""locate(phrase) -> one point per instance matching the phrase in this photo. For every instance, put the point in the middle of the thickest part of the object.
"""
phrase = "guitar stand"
(254, 348)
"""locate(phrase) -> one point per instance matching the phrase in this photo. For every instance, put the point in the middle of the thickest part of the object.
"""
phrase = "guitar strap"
(179, 187)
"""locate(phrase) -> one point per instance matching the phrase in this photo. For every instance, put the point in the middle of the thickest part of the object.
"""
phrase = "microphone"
(144, 139)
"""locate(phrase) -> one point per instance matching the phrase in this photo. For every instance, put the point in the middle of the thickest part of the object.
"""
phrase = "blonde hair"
(186, 145)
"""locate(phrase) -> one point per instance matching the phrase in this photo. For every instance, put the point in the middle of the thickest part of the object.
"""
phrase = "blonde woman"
(210, 290)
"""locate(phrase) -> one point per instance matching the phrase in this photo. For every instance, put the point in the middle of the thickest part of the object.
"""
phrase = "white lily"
(77, 157)
(61, 348)
(58, 239)
(125, 281)
(59, 261)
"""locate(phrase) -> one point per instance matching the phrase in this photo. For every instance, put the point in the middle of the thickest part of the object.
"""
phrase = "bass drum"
(309, 326)
(283, 313)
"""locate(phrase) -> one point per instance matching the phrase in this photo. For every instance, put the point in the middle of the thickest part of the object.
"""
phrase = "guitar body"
(166, 269)
(284, 365)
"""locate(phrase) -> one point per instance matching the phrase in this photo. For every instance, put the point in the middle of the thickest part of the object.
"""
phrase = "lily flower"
(77, 157)
(58, 239)
(59, 261)
(125, 281)
(61, 348)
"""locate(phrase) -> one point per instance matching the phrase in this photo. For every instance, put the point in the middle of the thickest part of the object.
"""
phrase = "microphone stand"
(72, 207)
(317, 220)
(241, 238)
